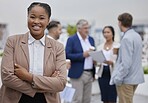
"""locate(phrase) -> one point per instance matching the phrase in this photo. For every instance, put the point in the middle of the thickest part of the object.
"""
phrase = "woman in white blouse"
(108, 92)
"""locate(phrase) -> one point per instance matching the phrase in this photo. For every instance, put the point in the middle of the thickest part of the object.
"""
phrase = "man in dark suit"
(82, 69)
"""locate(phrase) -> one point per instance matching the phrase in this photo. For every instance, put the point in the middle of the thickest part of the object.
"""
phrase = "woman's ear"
(48, 21)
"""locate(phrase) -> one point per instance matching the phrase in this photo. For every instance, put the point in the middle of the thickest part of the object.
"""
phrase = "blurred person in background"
(108, 92)
(30, 62)
(82, 68)
(128, 71)
(54, 31)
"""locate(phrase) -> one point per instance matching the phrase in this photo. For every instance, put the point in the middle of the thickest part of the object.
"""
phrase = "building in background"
(142, 28)
(3, 35)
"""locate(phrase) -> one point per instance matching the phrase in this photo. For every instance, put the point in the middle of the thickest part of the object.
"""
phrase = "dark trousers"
(38, 98)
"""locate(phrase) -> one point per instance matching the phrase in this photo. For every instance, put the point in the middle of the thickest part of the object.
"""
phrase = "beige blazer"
(16, 51)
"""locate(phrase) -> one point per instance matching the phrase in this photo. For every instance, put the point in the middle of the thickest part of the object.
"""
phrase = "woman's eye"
(32, 17)
(42, 18)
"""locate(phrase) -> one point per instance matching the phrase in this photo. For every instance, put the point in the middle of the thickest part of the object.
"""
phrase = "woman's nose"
(36, 20)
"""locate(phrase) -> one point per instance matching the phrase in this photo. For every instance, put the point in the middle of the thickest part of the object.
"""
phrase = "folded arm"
(9, 79)
(53, 83)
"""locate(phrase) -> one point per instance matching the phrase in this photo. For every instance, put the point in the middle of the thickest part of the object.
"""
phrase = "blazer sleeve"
(73, 55)
(126, 54)
(9, 79)
(53, 84)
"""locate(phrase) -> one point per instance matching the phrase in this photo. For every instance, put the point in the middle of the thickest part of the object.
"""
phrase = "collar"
(50, 36)
(125, 32)
(80, 37)
(128, 29)
(31, 39)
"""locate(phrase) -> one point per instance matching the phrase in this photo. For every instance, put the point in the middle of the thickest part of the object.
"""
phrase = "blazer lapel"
(47, 52)
(91, 42)
(78, 43)
(24, 46)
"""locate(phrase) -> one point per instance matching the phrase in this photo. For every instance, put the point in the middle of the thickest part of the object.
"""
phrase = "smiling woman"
(33, 65)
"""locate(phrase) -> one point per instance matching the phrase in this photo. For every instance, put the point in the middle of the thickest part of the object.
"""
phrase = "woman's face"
(108, 34)
(37, 21)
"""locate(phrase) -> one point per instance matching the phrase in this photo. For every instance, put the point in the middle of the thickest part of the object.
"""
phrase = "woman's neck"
(109, 42)
(108, 45)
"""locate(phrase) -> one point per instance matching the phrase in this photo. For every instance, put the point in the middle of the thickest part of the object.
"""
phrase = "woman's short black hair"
(44, 5)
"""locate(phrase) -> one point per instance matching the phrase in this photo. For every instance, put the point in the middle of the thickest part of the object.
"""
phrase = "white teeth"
(36, 27)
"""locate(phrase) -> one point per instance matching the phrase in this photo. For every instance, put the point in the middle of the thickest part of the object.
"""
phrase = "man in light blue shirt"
(128, 71)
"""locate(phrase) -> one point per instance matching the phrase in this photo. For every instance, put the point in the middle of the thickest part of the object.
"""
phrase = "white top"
(36, 55)
(116, 45)
(107, 54)
(88, 63)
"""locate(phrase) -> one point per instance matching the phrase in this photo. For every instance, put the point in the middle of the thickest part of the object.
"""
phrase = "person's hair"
(112, 30)
(53, 24)
(44, 5)
(125, 19)
(81, 23)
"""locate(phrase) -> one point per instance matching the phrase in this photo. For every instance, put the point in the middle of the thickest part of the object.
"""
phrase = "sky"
(97, 12)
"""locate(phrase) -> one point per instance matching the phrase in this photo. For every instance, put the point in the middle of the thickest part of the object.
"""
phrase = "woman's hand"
(22, 73)
(109, 62)
(56, 74)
